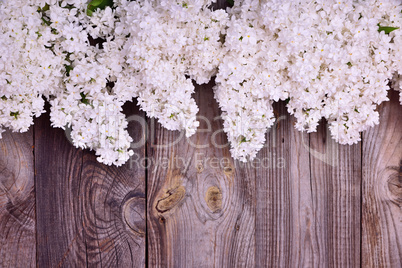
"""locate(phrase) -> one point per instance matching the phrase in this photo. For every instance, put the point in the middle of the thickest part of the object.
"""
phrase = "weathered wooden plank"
(308, 199)
(113, 204)
(88, 214)
(336, 196)
(57, 166)
(302, 237)
(17, 200)
(382, 195)
(284, 232)
(200, 208)
(201, 203)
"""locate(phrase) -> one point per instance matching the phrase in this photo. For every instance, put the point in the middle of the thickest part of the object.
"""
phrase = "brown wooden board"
(283, 209)
(336, 200)
(305, 201)
(17, 200)
(200, 207)
(89, 214)
(382, 188)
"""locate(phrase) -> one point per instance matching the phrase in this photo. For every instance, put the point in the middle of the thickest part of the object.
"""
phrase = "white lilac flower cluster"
(167, 44)
(326, 59)
(87, 58)
(28, 69)
(149, 49)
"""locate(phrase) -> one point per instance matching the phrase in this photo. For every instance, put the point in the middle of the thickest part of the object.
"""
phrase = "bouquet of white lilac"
(28, 68)
(148, 49)
(330, 59)
(166, 45)
(87, 58)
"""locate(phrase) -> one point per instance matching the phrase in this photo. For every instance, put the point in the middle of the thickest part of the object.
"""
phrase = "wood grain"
(200, 206)
(285, 217)
(17, 200)
(382, 184)
(89, 214)
(308, 209)
(201, 203)
(305, 201)
(336, 200)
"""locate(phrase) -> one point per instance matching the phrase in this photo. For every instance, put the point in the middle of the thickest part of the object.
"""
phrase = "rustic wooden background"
(304, 202)
(322, 205)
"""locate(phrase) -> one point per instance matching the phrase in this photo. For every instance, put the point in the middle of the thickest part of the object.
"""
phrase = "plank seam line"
(82, 213)
(146, 191)
(310, 174)
(36, 214)
(361, 199)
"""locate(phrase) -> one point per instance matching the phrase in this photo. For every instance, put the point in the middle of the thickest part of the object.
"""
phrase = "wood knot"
(200, 167)
(173, 198)
(228, 170)
(213, 197)
(134, 214)
(395, 188)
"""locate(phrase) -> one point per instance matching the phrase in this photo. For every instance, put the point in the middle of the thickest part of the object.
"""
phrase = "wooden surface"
(17, 200)
(382, 189)
(87, 214)
(305, 201)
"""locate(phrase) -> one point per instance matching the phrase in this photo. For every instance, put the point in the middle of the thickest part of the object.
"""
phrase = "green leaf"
(84, 98)
(69, 68)
(95, 4)
(15, 114)
(386, 29)
(230, 2)
(45, 8)
(46, 22)
(243, 139)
